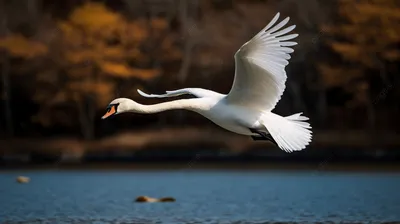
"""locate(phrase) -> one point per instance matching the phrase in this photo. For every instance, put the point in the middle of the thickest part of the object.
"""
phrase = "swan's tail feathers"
(297, 117)
(291, 133)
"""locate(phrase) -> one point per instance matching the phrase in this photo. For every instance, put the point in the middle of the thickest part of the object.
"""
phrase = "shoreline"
(200, 145)
(213, 166)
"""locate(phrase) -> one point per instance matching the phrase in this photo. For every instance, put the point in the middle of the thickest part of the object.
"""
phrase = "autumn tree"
(96, 50)
(366, 39)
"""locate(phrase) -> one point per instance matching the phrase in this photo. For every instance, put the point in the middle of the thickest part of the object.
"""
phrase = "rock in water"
(146, 199)
(167, 199)
(149, 199)
(23, 180)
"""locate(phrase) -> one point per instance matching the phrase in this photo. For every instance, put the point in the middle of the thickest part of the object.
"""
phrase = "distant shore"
(200, 145)
(213, 166)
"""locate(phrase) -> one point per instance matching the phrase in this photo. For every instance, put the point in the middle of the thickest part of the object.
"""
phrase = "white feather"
(197, 92)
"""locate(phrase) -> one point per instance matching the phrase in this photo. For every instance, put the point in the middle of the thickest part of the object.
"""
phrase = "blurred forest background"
(62, 62)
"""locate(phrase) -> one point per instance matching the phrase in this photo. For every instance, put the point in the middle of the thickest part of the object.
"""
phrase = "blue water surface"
(202, 197)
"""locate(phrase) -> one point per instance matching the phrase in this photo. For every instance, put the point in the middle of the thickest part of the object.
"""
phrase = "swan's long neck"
(187, 104)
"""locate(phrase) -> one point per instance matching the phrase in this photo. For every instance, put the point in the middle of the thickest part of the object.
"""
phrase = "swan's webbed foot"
(261, 136)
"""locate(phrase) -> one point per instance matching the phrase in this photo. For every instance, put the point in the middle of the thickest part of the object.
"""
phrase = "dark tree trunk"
(188, 41)
(298, 102)
(86, 117)
(321, 105)
(5, 75)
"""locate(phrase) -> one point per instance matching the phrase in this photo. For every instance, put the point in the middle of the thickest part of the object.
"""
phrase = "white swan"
(258, 85)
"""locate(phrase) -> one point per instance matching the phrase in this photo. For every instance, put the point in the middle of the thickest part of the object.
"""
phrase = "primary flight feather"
(258, 85)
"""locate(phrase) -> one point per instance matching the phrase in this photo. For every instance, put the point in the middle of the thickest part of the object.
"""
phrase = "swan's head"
(120, 105)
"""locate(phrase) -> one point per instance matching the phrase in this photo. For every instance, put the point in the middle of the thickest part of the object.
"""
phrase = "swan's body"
(258, 86)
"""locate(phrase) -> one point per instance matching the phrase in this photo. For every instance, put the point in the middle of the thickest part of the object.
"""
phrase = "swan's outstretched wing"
(260, 67)
(197, 92)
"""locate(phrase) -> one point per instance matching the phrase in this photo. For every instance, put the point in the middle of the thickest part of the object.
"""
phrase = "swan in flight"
(257, 87)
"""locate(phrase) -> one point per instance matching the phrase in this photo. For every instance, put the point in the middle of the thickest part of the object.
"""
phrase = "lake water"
(202, 197)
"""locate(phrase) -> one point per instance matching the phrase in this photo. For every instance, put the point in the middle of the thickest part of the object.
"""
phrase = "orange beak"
(111, 110)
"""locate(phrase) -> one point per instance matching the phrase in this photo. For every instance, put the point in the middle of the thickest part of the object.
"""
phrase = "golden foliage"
(90, 29)
(135, 32)
(116, 69)
(371, 31)
(366, 38)
(348, 50)
(114, 52)
(82, 56)
(19, 46)
(158, 24)
(338, 76)
(122, 70)
(95, 17)
(146, 73)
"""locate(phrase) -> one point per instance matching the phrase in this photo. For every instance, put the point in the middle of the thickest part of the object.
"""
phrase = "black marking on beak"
(112, 109)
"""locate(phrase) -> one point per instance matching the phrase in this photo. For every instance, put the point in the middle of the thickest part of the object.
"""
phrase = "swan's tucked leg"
(257, 138)
(262, 136)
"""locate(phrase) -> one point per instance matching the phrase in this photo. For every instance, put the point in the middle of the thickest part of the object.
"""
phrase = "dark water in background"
(202, 197)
